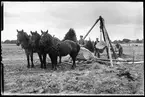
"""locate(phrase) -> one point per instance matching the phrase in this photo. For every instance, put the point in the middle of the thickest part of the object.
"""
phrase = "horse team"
(47, 44)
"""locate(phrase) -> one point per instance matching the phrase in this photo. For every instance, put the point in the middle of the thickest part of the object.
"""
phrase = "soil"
(89, 77)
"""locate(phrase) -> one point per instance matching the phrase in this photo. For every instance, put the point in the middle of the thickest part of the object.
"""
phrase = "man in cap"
(96, 51)
(81, 41)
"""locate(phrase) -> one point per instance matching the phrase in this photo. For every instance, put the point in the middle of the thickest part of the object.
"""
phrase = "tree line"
(115, 41)
(9, 41)
(129, 41)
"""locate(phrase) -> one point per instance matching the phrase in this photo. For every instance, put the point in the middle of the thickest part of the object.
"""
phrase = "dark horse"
(34, 42)
(55, 48)
(70, 35)
(24, 40)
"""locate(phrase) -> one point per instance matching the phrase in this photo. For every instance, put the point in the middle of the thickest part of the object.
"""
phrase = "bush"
(71, 35)
(89, 46)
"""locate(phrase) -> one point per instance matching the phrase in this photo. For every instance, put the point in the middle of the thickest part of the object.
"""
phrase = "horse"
(34, 42)
(57, 40)
(70, 35)
(24, 39)
(55, 48)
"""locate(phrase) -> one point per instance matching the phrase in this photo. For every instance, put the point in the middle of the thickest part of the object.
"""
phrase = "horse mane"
(70, 35)
(38, 35)
(55, 38)
(50, 38)
(26, 35)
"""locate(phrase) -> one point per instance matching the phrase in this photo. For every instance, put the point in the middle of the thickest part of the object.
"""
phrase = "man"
(81, 41)
(119, 48)
(96, 51)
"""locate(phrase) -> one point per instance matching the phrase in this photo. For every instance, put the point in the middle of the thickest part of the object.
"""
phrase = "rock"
(84, 54)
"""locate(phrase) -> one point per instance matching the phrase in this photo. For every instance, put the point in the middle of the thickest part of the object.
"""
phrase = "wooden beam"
(111, 45)
(108, 38)
(108, 47)
(118, 60)
(91, 28)
(101, 28)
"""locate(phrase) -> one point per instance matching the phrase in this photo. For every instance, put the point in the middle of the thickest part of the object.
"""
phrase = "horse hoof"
(28, 66)
(32, 66)
(73, 67)
(54, 69)
(44, 68)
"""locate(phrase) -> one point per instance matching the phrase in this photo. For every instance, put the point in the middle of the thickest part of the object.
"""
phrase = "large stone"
(85, 54)
(101, 45)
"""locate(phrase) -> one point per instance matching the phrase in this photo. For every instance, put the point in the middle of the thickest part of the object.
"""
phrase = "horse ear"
(22, 30)
(47, 31)
(41, 32)
(17, 30)
(31, 32)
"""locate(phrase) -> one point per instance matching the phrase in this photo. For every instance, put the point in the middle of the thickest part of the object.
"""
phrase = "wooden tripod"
(106, 38)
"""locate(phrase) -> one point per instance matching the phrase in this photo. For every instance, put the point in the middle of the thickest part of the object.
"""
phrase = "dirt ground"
(89, 77)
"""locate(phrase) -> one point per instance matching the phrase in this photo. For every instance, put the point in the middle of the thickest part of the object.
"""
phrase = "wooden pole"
(108, 38)
(91, 29)
(133, 56)
(111, 45)
(101, 28)
(108, 45)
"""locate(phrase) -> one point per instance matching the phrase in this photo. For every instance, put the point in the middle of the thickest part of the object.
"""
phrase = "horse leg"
(74, 59)
(52, 60)
(40, 57)
(55, 62)
(27, 55)
(28, 61)
(32, 59)
(44, 60)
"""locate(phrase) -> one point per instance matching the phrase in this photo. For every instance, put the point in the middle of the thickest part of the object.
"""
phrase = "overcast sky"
(122, 19)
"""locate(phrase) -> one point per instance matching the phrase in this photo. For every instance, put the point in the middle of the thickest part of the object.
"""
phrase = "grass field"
(87, 78)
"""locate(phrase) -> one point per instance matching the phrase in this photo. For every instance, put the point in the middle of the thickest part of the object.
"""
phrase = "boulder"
(85, 54)
(101, 46)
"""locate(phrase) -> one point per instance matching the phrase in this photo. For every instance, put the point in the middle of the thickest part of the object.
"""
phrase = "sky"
(122, 19)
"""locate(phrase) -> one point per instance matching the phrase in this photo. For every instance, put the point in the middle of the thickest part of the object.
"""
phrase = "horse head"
(34, 39)
(22, 38)
(46, 38)
(19, 37)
